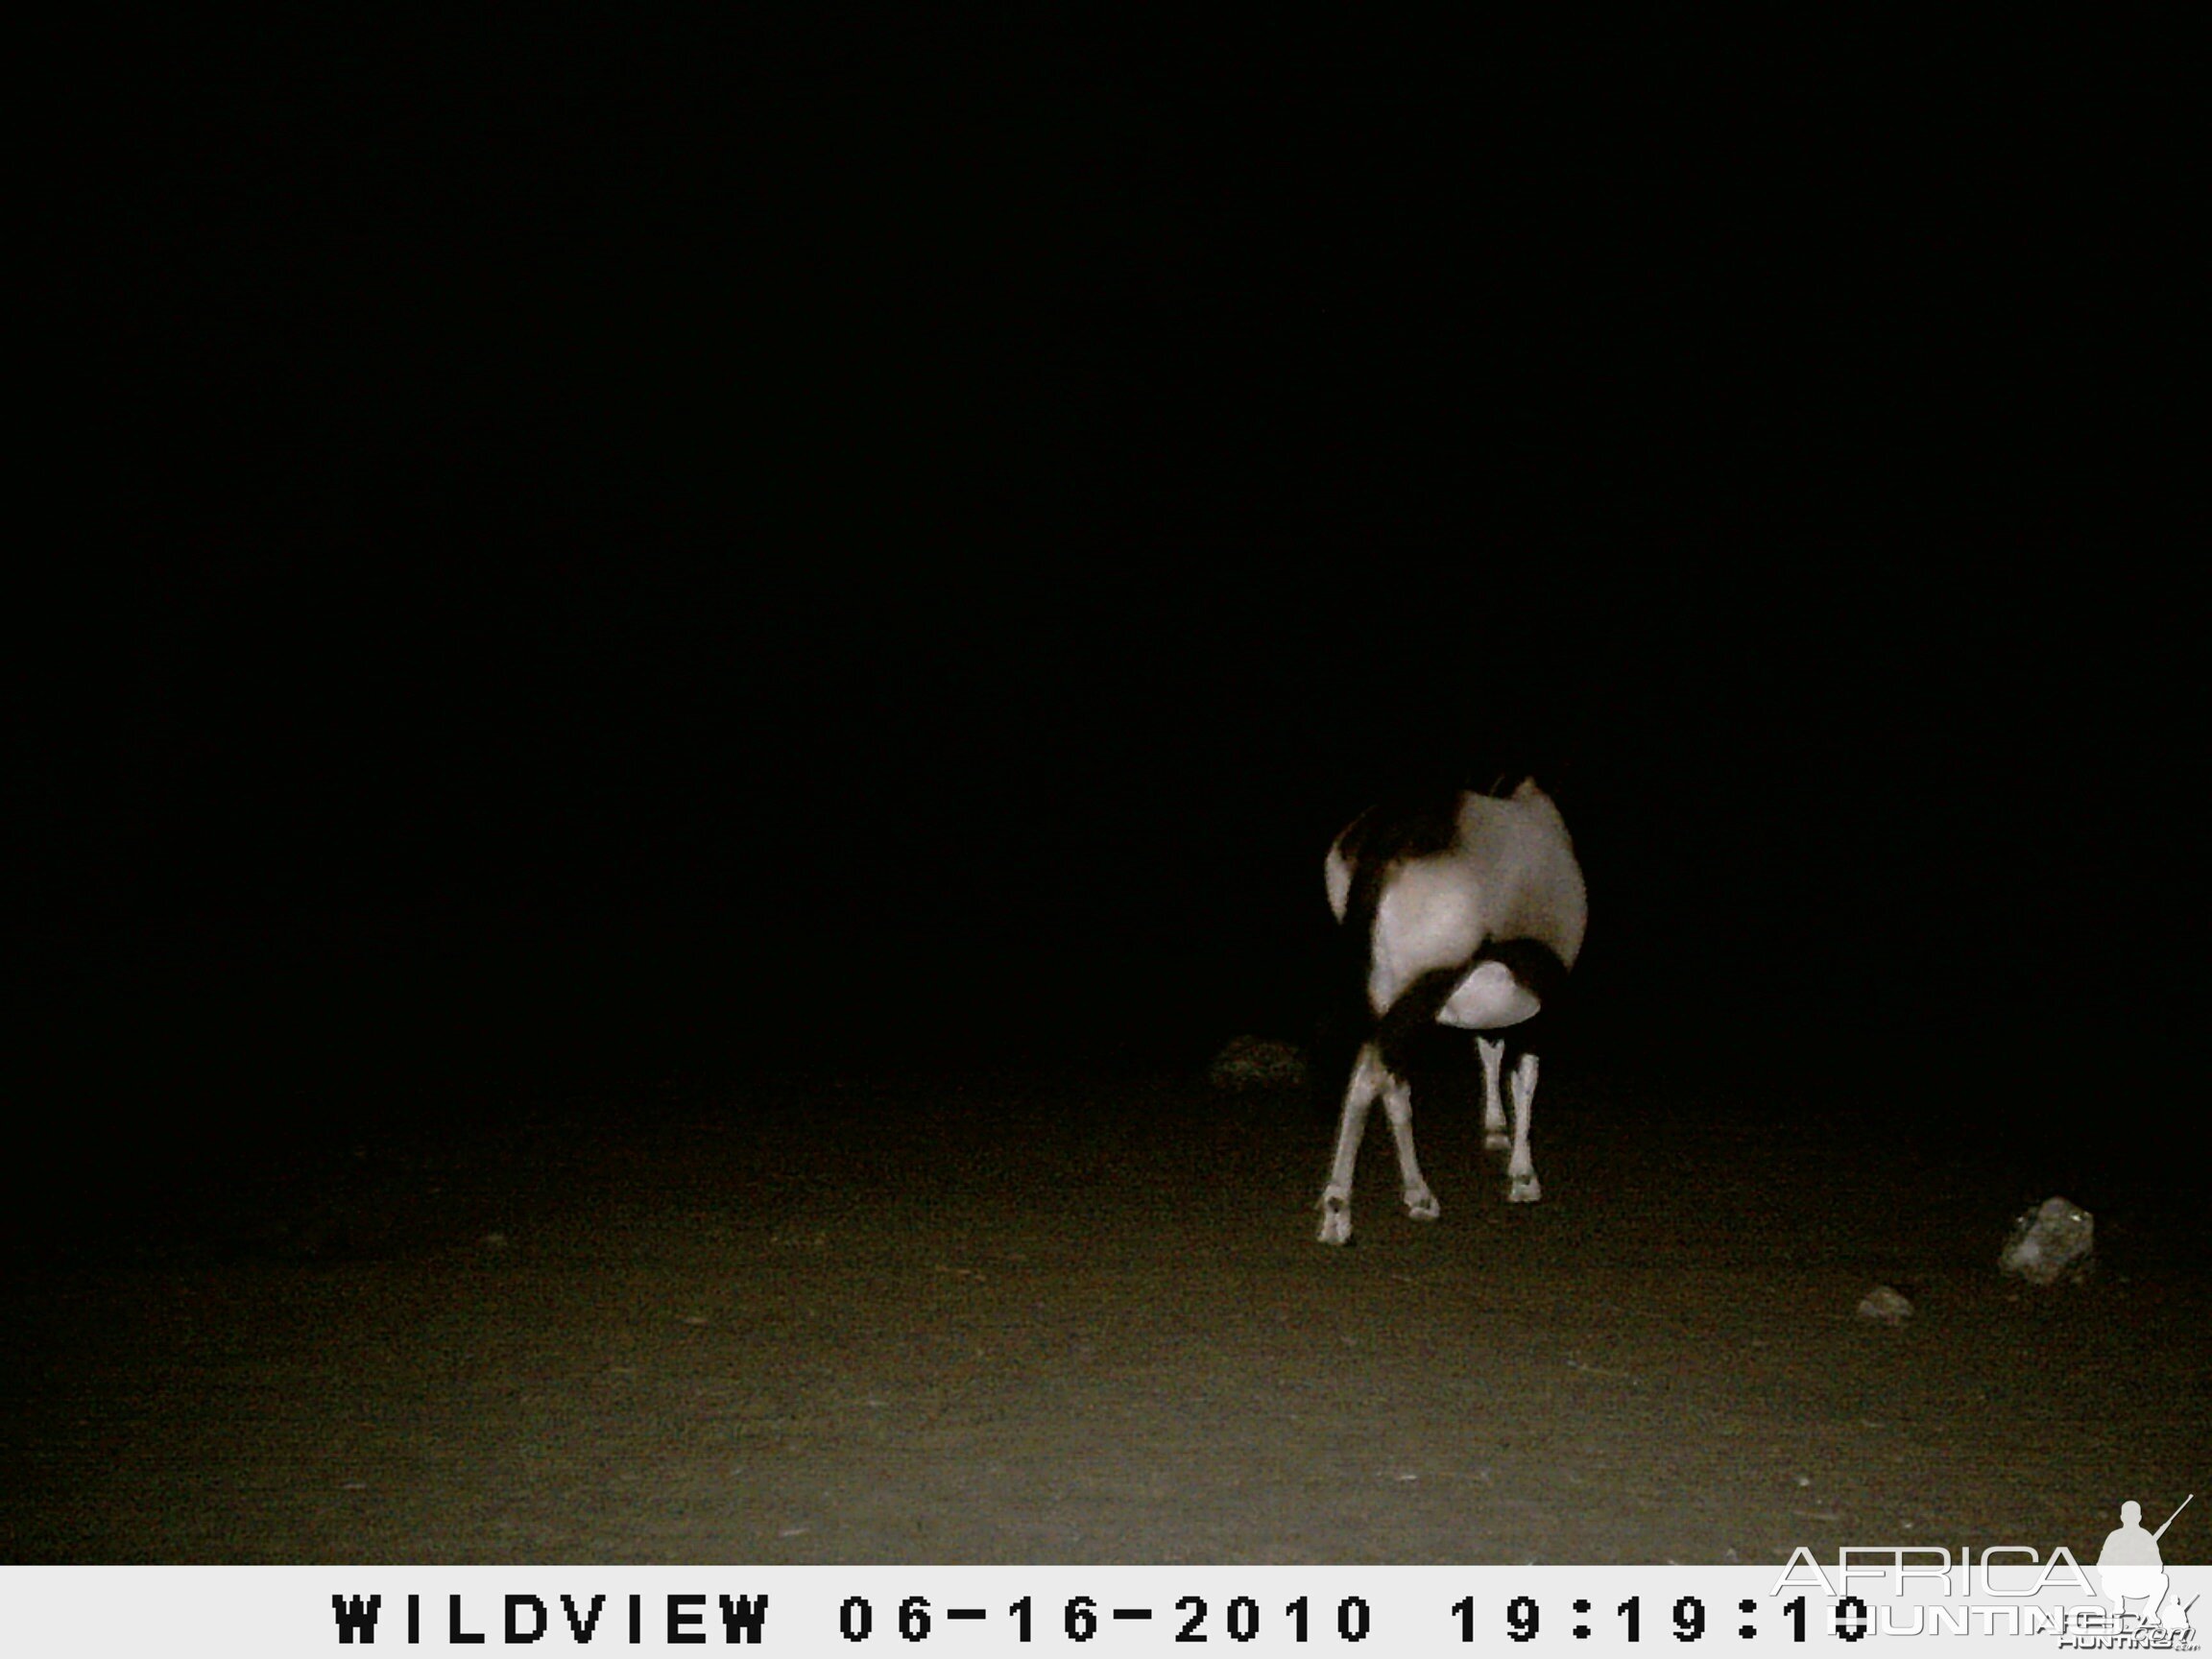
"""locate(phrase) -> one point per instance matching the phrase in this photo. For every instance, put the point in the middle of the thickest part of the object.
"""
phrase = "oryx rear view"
(1469, 910)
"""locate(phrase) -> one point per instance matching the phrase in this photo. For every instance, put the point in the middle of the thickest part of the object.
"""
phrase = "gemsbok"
(1468, 910)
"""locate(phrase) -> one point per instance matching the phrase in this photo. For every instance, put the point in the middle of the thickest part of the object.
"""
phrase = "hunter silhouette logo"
(2132, 1570)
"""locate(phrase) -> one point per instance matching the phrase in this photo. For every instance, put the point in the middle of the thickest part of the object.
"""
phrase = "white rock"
(1885, 1306)
(2052, 1242)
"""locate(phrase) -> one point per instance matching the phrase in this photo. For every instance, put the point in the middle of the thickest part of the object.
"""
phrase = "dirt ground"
(1067, 1319)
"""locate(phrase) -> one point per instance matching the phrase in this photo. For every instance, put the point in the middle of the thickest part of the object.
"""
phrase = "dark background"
(728, 546)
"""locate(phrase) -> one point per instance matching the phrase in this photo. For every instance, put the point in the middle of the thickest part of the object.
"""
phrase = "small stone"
(1884, 1307)
(2052, 1243)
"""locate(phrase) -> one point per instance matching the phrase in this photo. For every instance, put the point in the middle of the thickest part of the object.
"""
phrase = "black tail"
(1378, 840)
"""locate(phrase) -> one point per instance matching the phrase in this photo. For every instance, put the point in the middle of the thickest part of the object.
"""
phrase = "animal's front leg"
(1398, 1106)
(1521, 1186)
(1367, 1075)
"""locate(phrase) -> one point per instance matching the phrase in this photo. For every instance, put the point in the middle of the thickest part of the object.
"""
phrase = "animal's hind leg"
(1521, 1186)
(1494, 1135)
(1368, 1079)
(1398, 1105)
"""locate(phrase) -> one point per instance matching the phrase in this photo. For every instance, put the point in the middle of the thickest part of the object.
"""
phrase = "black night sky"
(723, 546)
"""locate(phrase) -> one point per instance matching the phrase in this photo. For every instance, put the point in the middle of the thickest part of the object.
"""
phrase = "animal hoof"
(1424, 1208)
(1497, 1141)
(1525, 1190)
(1335, 1222)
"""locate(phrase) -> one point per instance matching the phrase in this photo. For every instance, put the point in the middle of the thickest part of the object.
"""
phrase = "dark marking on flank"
(1536, 966)
(1413, 827)
(1532, 962)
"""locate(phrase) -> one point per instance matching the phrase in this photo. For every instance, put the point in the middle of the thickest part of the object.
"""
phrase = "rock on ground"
(2054, 1241)
(1258, 1063)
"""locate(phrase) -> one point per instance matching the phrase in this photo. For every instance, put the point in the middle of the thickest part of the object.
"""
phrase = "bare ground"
(1026, 1320)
